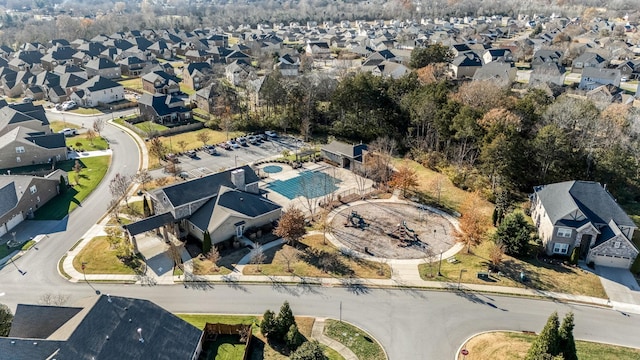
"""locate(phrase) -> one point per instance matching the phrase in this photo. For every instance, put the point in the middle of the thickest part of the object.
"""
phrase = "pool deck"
(347, 183)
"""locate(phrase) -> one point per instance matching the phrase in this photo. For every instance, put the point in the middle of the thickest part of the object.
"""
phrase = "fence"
(212, 330)
(129, 123)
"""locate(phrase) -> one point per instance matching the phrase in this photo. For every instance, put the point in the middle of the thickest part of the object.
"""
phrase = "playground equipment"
(356, 220)
(405, 234)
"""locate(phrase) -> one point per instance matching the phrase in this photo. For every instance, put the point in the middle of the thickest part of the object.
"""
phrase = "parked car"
(183, 175)
(253, 140)
(192, 153)
(242, 141)
(173, 158)
(624, 79)
(226, 146)
(27, 99)
(234, 144)
(271, 134)
(68, 105)
(68, 132)
(210, 149)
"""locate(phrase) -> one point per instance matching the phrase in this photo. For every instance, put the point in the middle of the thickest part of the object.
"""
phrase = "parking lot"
(204, 163)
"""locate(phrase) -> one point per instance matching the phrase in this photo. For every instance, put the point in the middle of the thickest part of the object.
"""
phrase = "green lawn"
(226, 347)
(83, 143)
(148, 126)
(133, 83)
(93, 170)
(200, 320)
(99, 258)
(59, 125)
(507, 346)
(86, 111)
(361, 343)
(187, 90)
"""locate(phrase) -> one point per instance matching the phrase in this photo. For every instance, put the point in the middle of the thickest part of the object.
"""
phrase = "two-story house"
(582, 215)
(163, 109)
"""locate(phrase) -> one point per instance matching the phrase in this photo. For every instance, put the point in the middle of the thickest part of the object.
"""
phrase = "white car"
(233, 144)
(68, 132)
(271, 134)
(68, 105)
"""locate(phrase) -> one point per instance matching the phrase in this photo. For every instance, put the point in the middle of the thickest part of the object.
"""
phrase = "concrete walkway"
(317, 332)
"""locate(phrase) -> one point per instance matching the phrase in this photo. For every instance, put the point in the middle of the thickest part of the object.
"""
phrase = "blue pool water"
(309, 184)
(272, 169)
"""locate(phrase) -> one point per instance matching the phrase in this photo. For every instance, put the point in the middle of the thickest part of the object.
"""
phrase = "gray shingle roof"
(150, 223)
(590, 197)
(247, 204)
(39, 322)
(8, 197)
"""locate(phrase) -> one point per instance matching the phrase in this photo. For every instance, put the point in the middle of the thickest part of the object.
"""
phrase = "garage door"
(612, 261)
(14, 221)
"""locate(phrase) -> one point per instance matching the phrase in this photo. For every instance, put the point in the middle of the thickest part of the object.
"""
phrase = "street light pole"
(14, 264)
(460, 277)
(440, 264)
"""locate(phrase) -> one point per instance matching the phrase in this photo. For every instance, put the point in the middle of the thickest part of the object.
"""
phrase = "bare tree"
(90, 134)
(98, 126)
(182, 144)
(289, 255)
(473, 224)
(53, 299)
(382, 151)
(143, 177)
(119, 187)
(175, 253)
(114, 207)
(436, 185)
(429, 258)
(214, 256)
(77, 168)
(157, 148)
(257, 256)
(360, 178)
(204, 136)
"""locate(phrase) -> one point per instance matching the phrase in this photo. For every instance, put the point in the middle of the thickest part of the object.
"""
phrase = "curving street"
(410, 324)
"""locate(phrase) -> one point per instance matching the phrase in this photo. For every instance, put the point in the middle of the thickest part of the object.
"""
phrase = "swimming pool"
(310, 184)
(272, 169)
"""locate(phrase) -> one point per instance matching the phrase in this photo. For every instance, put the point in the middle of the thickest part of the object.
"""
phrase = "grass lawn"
(82, 142)
(541, 275)
(4, 251)
(187, 90)
(358, 341)
(451, 197)
(133, 83)
(94, 169)
(308, 258)
(59, 125)
(505, 345)
(205, 267)
(148, 126)
(261, 347)
(226, 347)
(99, 258)
(86, 111)
(633, 210)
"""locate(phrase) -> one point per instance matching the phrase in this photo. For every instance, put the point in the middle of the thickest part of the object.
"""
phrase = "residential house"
(98, 91)
(101, 327)
(225, 204)
(26, 115)
(195, 75)
(588, 59)
(549, 73)
(13, 83)
(238, 71)
(497, 54)
(465, 65)
(192, 56)
(21, 147)
(160, 82)
(582, 215)
(501, 73)
(542, 57)
(163, 109)
(345, 155)
(102, 67)
(58, 55)
(593, 77)
(21, 196)
(131, 66)
(207, 97)
(318, 49)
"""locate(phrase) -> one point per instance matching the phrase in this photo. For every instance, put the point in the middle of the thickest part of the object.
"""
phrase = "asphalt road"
(410, 324)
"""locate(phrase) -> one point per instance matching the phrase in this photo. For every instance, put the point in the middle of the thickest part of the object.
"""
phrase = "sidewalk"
(317, 332)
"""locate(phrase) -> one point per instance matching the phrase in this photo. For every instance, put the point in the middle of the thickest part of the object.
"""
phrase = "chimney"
(237, 178)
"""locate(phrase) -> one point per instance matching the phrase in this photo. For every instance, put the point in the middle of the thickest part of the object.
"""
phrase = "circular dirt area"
(394, 231)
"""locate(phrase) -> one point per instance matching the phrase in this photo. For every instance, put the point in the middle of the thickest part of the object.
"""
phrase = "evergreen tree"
(545, 346)
(293, 338)
(206, 242)
(567, 345)
(574, 256)
(6, 318)
(514, 233)
(284, 320)
(310, 350)
(63, 185)
(268, 324)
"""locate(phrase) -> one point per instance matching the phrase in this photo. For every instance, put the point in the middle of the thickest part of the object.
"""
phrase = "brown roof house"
(582, 216)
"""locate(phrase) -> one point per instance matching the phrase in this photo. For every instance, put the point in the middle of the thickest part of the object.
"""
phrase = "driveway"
(620, 285)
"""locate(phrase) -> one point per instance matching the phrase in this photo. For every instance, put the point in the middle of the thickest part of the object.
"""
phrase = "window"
(564, 233)
(616, 244)
(559, 248)
(18, 159)
(19, 149)
(33, 189)
(37, 199)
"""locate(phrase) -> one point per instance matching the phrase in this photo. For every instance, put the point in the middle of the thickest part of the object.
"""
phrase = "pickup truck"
(68, 132)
